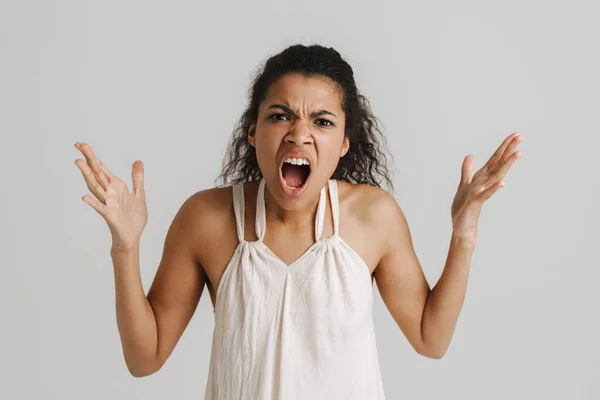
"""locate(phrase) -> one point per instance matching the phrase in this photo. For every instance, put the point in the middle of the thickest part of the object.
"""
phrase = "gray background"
(165, 82)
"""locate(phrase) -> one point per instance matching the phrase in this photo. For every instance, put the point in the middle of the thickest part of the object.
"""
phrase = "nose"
(299, 133)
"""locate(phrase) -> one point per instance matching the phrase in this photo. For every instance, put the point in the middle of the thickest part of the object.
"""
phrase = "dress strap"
(335, 205)
(261, 217)
(238, 208)
(320, 217)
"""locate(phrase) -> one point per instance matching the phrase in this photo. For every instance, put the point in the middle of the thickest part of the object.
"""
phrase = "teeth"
(297, 161)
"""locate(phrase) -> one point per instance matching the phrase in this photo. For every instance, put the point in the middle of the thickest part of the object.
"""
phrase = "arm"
(150, 326)
(446, 299)
(166, 311)
(426, 317)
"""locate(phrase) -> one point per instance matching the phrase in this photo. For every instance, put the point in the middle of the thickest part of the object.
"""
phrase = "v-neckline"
(260, 224)
(278, 259)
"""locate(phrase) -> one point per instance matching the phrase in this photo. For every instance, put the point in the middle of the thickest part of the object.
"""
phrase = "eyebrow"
(288, 110)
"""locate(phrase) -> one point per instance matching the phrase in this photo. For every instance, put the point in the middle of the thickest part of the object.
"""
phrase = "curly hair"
(365, 162)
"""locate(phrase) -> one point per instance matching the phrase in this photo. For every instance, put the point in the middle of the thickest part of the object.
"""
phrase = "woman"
(289, 244)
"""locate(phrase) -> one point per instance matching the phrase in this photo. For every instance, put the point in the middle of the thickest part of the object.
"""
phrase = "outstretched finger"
(137, 175)
(96, 161)
(512, 146)
(467, 170)
(500, 171)
(489, 192)
(101, 172)
(95, 204)
(500, 151)
(91, 181)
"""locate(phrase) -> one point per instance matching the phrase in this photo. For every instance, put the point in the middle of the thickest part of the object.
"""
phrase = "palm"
(125, 213)
(474, 189)
(125, 210)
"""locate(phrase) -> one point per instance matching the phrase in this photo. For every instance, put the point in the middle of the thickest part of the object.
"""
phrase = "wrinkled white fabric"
(299, 331)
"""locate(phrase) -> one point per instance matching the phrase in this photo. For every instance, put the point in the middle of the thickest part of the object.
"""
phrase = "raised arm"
(178, 284)
(428, 317)
(399, 276)
(149, 326)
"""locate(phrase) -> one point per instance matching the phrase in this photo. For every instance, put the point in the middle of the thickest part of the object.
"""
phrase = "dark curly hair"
(365, 161)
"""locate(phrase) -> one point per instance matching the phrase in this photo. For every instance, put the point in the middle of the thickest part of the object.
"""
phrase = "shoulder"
(207, 215)
(371, 204)
(374, 212)
(209, 204)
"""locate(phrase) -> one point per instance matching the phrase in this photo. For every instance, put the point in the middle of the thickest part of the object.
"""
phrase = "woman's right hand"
(125, 213)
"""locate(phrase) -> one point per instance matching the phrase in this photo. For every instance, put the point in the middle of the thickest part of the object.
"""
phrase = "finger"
(100, 177)
(91, 181)
(89, 152)
(95, 204)
(101, 171)
(489, 192)
(500, 151)
(500, 171)
(467, 168)
(137, 175)
(92, 163)
(510, 150)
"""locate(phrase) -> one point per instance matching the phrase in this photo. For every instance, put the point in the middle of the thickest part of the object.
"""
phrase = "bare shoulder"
(210, 204)
(182, 273)
(370, 220)
(209, 215)
(371, 205)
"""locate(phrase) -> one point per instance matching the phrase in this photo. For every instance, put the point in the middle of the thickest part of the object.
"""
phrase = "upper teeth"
(297, 161)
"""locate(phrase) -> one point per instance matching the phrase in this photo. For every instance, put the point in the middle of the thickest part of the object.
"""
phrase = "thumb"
(467, 170)
(137, 175)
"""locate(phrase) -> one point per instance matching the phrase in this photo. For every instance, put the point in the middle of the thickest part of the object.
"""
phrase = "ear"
(251, 135)
(345, 146)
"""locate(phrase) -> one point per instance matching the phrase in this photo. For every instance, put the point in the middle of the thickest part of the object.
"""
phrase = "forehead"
(300, 91)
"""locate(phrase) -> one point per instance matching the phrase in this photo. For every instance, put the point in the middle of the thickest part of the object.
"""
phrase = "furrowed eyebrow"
(290, 111)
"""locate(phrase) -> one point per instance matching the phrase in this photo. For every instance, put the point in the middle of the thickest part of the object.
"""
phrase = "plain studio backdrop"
(165, 82)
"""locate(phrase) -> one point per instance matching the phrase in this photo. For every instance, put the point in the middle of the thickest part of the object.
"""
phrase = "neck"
(298, 217)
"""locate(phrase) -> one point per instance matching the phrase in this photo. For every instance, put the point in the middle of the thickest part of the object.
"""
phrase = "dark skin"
(202, 237)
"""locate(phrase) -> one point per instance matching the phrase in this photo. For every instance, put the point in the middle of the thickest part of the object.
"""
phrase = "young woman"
(289, 243)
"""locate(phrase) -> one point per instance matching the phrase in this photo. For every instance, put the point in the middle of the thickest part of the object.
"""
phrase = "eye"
(325, 122)
(275, 117)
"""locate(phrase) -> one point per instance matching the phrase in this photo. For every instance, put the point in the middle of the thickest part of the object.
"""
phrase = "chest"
(288, 246)
(329, 281)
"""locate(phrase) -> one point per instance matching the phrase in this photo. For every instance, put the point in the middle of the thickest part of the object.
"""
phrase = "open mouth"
(294, 174)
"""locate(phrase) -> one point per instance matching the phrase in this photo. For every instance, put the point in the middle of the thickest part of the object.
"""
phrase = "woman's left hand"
(474, 190)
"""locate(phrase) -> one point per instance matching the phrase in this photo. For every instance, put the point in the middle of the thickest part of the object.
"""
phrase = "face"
(299, 137)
